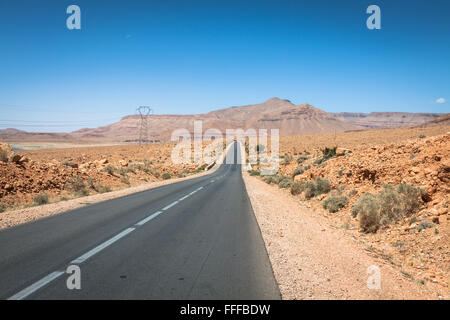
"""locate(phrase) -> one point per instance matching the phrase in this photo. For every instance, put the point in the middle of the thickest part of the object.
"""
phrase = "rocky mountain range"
(274, 113)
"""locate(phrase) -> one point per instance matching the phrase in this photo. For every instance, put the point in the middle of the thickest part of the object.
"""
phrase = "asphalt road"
(195, 239)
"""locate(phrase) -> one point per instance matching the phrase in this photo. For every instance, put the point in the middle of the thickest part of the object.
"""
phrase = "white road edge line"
(36, 286)
(144, 221)
(169, 206)
(102, 246)
(186, 196)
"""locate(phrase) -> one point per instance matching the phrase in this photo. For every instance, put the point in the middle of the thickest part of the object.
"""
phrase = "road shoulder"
(312, 259)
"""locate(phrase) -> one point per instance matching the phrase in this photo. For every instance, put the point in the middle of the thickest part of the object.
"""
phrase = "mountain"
(274, 113)
(443, 121)
(386, 119)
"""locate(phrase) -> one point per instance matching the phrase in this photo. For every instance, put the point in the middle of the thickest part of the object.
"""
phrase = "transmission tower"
(144, 112)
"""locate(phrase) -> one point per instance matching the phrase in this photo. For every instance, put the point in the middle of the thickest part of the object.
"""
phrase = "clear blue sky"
(197, 56)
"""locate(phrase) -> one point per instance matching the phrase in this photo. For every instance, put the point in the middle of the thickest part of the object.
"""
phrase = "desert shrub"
(310, 189)
(367, 209)
(297, 171)
(389, 205)
(267, 179)
(307, 167)
(3, 156)
(109, 169)
(285, 183)
(322, 186)
(125, 180)
(121, 171)
(254, 172)
(102, 189)
(287, 159)
(40, 199)
(202, 167)
(166, 176)
(329, 152)
(341, 171)
(75, 184)
(2, 208)
(69, 164)
(334, 204)
(422, 136)
(301, 158)
(297, 188)
(412, 197)
(352, 193)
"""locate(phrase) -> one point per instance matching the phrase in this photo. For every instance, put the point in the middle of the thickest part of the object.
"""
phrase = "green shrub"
(329, 152)
(301, 158)
(310, 189)
(334, 204)
(341, 171)
(285, 183)
(254, 172)
(40, 199)
(2, 208)
(297, 171)
(422, 136)
(166, 176)
(297, 187)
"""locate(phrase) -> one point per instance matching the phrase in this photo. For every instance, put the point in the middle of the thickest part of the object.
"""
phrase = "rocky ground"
(30, 178)
(314, 259)
(416, 242)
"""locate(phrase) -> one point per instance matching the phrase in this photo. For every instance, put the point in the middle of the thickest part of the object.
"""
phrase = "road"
(195, 239)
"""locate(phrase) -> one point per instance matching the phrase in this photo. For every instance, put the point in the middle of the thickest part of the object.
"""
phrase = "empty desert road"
(196, 239)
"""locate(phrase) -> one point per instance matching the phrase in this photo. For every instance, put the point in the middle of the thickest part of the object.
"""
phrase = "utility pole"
(144, 112)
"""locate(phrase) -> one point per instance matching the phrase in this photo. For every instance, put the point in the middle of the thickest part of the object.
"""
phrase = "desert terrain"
(35, 177)
(388, 189)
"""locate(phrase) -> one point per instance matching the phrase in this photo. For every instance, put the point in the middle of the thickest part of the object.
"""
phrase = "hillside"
(273, 113)
(386, 119)
(441, 121)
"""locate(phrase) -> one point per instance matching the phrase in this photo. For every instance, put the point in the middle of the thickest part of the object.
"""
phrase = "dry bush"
(254, 172)
(3, 156)
(320, 186)
(2, 208)
(77, 186)
(297, 188)
(302, 158)
(367, 209)
(125, 180)
(109, 169)
(388, 206)
(334, 204)
(40, 199)
(285, 183)
(297, 171)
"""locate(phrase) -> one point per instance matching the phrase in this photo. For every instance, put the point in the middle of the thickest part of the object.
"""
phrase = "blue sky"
(197, 56)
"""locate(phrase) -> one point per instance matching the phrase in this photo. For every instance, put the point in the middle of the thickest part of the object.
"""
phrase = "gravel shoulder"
(312, 259)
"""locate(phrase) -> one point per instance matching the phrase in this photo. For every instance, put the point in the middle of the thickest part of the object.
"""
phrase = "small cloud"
(440, 100)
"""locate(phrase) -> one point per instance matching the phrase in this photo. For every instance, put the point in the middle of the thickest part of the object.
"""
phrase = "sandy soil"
(314, 260)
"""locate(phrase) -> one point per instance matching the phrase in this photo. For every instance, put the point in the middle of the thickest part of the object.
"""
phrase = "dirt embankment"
(409, 222)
